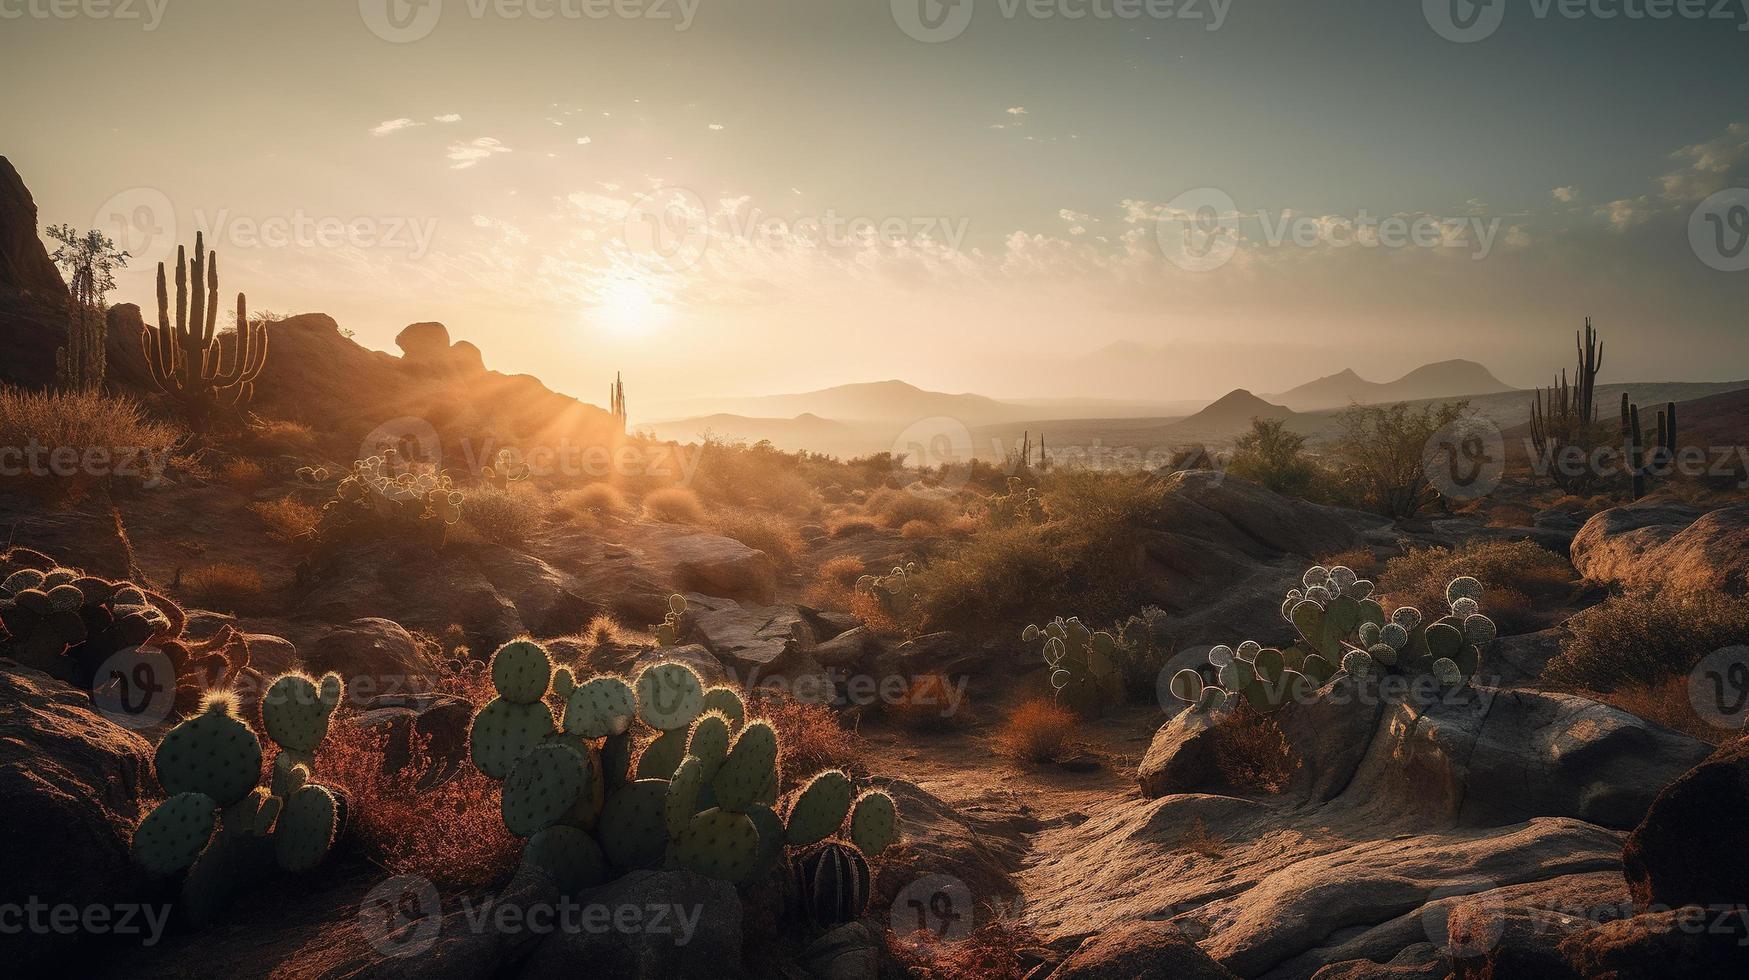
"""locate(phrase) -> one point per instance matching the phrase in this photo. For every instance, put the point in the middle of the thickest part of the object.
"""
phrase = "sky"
(1140, 199)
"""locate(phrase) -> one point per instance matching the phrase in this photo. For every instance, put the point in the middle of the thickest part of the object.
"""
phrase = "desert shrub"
(835, 584)
(1361, 560)
(809, 736)
(243, 474)
(600, 499)
(1252, 753)
(845, 527)
(760, 474)
(278, 438)
(1382, 449)
(1271, 455)
(930, 701)
(1144, 643)
(992, 951)
(918, 531)
(222, 582)
(448, 831)
(1667, 701)
(1080, 557)
(763, 532)
(505, 516)
(674, 505)
(287, 519)
(896, 508)
(603, 629)
(1644, 637)
(92, 425)
(1512, 573)
(1038, 731)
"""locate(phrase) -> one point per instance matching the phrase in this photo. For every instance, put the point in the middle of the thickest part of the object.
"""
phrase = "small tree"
(1384, 447)
(89, 262)
(1274, 456)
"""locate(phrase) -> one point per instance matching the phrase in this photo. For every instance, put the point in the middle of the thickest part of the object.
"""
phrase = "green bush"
(1644, 637)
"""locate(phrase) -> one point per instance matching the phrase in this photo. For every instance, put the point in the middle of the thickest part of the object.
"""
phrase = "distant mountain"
(1228, 415)
(874, 401)
(805, 431)
(1445, 379)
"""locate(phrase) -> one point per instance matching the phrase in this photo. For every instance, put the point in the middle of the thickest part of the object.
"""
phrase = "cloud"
(715, 127)
(1566, 195)
(388, 126)
(465, 155)
(1708, 167)
(447, 117)
(584, 141)
(1017, 110)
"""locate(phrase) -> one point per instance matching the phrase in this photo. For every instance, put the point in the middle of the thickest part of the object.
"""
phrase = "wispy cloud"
(1566, 195)
(447, 117)
(465, 155)
(388, 126)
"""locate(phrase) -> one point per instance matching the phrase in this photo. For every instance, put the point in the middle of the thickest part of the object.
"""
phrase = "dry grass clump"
(931, 701)
(450, 833)
(287, 519)
(919, 531)
(1644, 637)
(896, 508)
(674, 505)
(242, 474)
(222, 582)
(505, 516)
(1515, 576)
(763, 532)
(84, 438)
(836, 584)
(603, 630)
(809, 735)
(1198, 840)
(1252, 753)
(1362, 560)
(1667, 702)
(844, 527)
(1037, 731)
(279, 438)
(598, 499)
(991, 951)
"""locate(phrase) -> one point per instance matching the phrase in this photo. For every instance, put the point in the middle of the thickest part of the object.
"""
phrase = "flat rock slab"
(746, 636)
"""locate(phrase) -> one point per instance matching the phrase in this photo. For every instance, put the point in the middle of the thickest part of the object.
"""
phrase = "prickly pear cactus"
(214, 753)
(634, 828)
(1084, 674)
(305, 833)
(517, 719)
(543, 787)
(749, 769)
(672, 628)
(670, 696)
(820, 809)
(719, 844)
(569, 855)
(600, 707)
(175, 833)
(874, 823)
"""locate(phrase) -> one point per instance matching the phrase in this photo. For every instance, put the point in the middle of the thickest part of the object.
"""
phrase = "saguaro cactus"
(187, 359)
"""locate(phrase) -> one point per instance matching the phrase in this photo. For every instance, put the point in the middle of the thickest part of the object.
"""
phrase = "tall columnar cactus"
(1083, 672)
(187, 359)
(616, 399)
(705, 789)
(90, 261)
(1646, 455)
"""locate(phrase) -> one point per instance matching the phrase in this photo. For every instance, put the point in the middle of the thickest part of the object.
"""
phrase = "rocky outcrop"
(753, 639)
(25, 269)
(426, 347)
(1223, 551)
(1693, 846)
(1143, 951)
(1670, 545)
(72, 787)
(373, 653)
(711, 564)
(1181, 756)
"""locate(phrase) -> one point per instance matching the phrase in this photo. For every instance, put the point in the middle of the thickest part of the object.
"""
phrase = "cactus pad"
(570, 856)
(728, 701)
(296, 712)
(213, 753)
(1187, 685)
(306, 829)
(670, 696)
(751, 765)
(633, 831)
(175, 833)
(600, 707)
(522, 671)
(504, 730)
(874, 823)
(683, 793)
(661, 757)
(719, 844)
(710, 741)
(545, 784)
(820, 809)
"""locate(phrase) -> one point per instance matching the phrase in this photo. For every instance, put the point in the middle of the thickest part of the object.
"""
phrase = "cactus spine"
(187, 360)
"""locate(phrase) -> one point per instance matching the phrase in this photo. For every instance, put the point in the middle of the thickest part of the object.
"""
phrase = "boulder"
(374, 657)
(1181, 757)
(658, 924)
(1141, 950)
(1689, 850)
(850, 952)
(1671, 545)
(1329, 735)
(751, 638)
(440, 720)
(89, 538)
(73, 785)
(712, 564)
(978, 849)
(846, 650)
(423, 343)
(1691, 941)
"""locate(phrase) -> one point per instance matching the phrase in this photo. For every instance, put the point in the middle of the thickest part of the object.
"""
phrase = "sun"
(629, 307)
